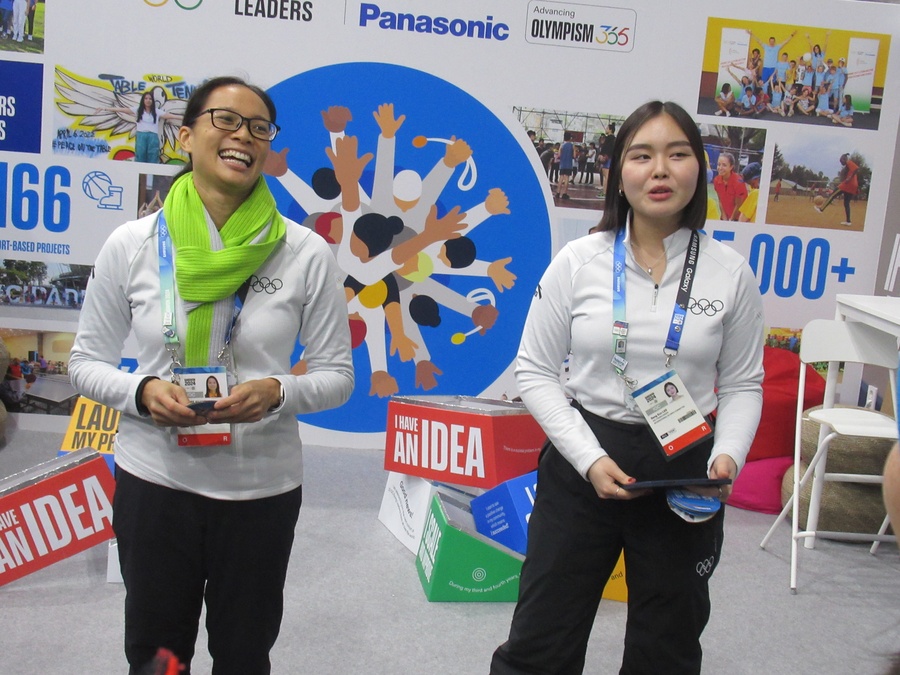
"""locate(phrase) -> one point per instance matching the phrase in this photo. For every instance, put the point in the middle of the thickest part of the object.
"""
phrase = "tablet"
(677, 483)
(201, 407)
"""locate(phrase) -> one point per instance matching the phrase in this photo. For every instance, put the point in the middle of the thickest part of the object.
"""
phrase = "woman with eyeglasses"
(210, 517)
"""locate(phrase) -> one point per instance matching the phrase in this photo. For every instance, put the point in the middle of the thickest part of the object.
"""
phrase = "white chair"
(834, 342)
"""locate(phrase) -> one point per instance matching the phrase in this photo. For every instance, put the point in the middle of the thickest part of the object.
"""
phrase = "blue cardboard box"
(502, 512)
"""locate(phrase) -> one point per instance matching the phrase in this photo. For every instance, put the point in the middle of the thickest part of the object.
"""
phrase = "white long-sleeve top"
(719, 359)
(298, 294)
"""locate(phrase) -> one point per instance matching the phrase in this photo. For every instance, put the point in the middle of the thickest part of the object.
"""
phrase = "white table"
(881, 312)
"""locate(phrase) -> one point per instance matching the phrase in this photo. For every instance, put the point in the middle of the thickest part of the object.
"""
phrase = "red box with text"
(52, 511)
(462, 440)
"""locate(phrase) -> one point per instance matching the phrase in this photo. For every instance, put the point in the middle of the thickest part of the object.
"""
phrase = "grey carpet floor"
(354, 604)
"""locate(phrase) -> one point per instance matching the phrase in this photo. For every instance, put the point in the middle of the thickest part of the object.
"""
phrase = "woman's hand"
(167, 404)
(246, 402)
(607, 479)
(723, 467)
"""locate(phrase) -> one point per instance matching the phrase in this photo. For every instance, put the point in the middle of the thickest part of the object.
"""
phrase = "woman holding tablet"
(644, 302)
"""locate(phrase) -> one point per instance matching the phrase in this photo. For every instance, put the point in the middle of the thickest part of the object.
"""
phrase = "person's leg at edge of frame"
(830, 199)
(250, 547)
(573, 546)
(669, 563)
(158, 534)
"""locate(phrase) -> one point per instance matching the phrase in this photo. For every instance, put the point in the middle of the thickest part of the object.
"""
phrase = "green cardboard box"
(457, 564)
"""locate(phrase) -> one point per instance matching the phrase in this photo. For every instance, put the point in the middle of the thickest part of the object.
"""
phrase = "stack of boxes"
(459, 494)
(443, 451)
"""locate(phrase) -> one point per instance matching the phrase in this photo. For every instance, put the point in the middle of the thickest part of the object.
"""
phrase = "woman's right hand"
(168, 405)
(607, 479)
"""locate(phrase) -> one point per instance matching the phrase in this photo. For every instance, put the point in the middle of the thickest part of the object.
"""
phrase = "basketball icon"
(96, 185)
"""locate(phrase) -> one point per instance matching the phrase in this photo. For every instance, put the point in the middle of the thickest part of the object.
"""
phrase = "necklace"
(653, 264)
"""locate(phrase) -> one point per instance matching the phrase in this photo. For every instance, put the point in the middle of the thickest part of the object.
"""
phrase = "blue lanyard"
(679, 311)
(167, 295)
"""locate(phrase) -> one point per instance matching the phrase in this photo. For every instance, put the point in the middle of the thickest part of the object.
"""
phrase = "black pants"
(177, 549)
(574, 542)
(847, 199)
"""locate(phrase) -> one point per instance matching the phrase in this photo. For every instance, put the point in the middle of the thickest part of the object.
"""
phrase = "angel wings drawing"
(139, 115)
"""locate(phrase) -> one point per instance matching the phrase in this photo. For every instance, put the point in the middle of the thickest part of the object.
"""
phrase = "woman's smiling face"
(227, 161)
(724, 166)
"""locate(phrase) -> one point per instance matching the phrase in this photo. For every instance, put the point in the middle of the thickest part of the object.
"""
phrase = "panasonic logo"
(485, 29)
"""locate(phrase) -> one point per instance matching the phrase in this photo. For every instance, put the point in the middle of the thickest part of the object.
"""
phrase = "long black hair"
(616, 206)
(140, 108)
(197, 103)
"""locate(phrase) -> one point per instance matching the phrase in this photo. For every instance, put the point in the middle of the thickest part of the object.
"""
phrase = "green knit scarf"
(203, 275)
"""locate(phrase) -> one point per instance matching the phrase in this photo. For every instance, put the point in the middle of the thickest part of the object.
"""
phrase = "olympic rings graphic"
(260, 284)
(180, 3)
(704, 306)
(705, 567)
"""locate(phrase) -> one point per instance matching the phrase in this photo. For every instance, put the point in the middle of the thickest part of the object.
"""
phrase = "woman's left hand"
(246, 402)
(722, 467)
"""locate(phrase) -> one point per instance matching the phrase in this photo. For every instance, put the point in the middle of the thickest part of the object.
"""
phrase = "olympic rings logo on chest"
(264, 284)
(704, 306)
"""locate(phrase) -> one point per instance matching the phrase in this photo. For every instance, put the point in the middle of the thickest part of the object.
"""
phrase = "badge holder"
(194, 381)
(674, 419)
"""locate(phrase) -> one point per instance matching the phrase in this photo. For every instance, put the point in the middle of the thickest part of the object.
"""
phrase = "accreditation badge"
(204, 385)
(675, 420)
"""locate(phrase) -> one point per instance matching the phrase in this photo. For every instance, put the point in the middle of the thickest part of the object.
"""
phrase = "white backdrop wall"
(481, 71)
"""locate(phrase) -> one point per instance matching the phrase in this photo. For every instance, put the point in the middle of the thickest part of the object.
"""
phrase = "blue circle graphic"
(435, 111)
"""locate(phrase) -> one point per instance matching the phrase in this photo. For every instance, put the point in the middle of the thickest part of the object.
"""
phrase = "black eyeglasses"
(228, 120)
